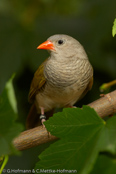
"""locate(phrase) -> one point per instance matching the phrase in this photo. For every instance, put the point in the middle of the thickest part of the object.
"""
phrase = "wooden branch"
(32, 137)
(104, 106)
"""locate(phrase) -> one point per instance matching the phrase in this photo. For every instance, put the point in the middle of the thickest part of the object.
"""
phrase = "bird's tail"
(33, 119)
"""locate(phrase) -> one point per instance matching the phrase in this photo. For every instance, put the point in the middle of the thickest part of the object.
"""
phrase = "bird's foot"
(43, 119)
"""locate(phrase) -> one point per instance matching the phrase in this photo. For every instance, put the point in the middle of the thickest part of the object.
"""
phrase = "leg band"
(42, 117)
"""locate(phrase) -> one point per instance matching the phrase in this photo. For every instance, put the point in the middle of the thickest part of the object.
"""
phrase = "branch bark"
(104, 106)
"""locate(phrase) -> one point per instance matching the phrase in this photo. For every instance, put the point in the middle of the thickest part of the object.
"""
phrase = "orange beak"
(47, 45)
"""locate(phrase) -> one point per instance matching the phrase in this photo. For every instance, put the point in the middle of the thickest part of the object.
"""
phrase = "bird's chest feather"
(63, 75)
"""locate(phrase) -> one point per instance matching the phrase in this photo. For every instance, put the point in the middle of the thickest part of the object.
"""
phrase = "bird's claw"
(42, 121)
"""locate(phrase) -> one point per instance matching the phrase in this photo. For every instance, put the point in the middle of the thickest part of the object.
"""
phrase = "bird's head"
(63, 46)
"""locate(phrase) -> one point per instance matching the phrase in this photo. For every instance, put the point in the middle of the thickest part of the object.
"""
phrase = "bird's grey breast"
(62, 74)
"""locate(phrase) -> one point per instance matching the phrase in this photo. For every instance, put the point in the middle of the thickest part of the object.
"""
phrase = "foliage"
(9, 129)
(3, 163)
(106, 87)
(83, 134)
(105, 164)
(114, 28)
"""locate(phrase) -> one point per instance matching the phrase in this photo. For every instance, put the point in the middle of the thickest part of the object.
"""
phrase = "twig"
(106, 86)
(104, 106)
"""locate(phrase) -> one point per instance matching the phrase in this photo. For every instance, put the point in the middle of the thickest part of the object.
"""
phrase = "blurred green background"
(25, 24)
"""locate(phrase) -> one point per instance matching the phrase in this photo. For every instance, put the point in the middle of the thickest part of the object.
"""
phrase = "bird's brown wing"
(88, 88)
(37, 83)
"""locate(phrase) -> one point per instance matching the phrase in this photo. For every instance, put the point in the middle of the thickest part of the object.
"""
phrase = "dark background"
(25, 24)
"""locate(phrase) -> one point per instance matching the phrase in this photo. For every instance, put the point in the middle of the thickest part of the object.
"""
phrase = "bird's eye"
(60, 42)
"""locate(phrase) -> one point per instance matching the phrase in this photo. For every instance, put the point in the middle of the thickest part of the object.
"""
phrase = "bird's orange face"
(47, 45)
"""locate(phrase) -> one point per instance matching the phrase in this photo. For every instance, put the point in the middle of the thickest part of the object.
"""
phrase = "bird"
(61, 80)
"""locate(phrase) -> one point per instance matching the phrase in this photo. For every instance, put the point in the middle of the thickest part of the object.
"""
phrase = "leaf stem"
(6, 157)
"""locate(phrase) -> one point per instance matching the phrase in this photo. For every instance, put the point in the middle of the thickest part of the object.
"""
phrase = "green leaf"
(105, 165)
(9, 129)
(114, 28)
(10, 94)
(72, 121)
(108, 136)
(79, 130)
